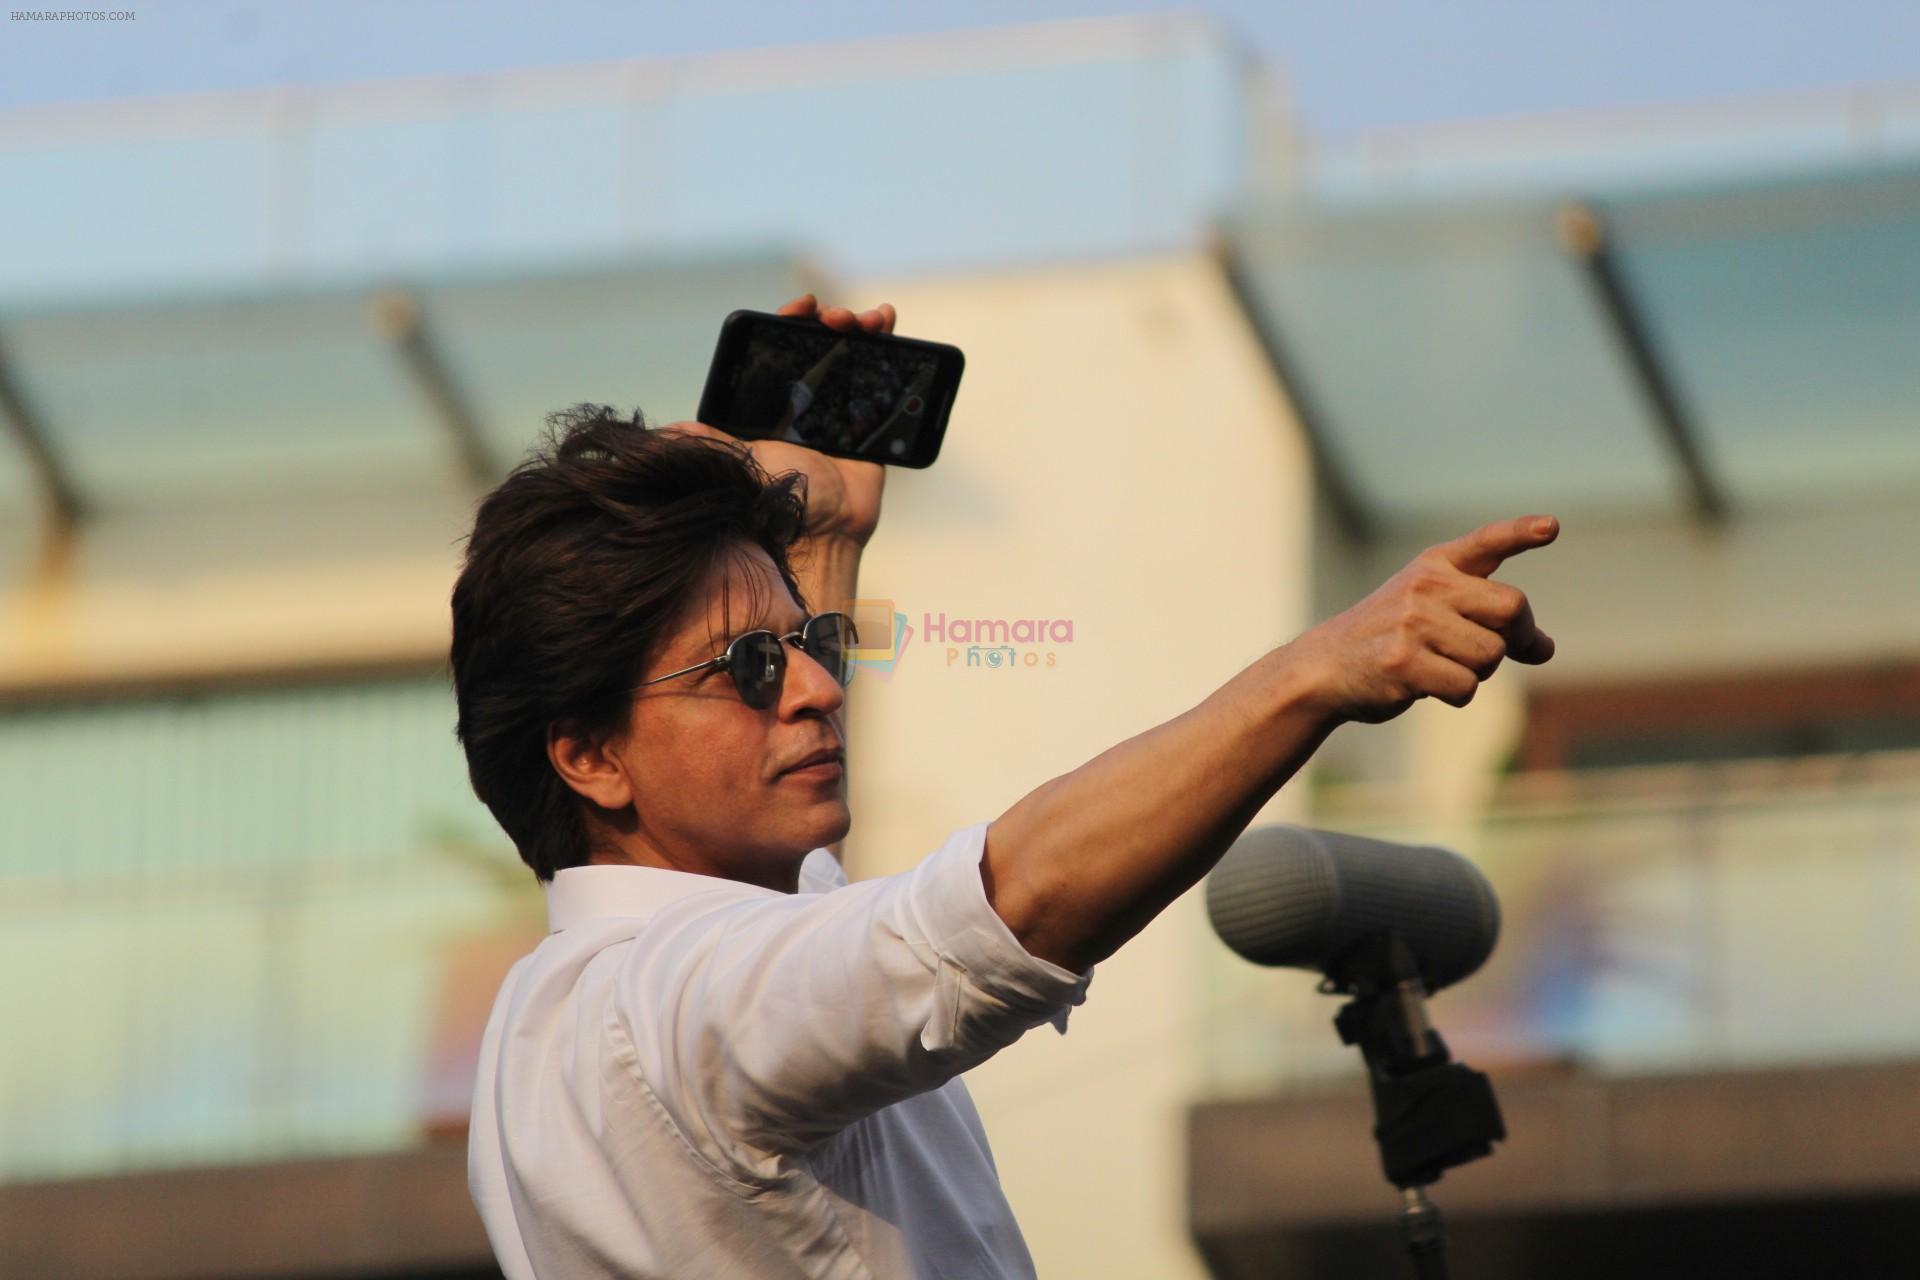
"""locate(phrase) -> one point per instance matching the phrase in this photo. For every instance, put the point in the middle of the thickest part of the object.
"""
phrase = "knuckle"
(1400, 655)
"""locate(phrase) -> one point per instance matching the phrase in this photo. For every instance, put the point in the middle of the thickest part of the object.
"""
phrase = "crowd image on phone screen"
(825, 389)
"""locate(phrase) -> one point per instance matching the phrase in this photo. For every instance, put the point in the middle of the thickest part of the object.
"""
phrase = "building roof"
(1705, 345)
(403, 384)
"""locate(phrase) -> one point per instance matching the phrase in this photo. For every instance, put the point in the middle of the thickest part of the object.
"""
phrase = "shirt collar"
(606, 890)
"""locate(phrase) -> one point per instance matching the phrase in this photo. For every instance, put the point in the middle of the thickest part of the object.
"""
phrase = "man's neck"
(781, 874)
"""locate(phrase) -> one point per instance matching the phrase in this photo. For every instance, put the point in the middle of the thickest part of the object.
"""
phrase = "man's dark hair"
(578, 566)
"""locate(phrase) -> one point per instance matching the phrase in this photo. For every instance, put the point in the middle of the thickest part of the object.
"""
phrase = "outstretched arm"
(1082, 863)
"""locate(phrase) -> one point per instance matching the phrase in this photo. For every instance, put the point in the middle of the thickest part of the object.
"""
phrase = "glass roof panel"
(1789, 315)
(163, 403)
(158, 404)
(636, 335)
(1458, 362)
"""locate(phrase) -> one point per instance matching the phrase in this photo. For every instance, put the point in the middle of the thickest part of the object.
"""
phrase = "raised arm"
(843, 494)
(1081, 864)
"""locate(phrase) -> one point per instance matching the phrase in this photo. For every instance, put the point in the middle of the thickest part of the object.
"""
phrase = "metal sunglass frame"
(723, 661)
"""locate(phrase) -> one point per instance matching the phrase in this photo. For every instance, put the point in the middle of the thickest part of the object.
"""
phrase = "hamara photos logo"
(985, 644)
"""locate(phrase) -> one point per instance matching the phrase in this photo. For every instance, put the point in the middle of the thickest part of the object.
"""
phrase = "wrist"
(827, 566)
(1297, 689)
(832, 542)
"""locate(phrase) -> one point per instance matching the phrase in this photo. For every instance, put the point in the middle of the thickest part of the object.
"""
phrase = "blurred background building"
(261, 352)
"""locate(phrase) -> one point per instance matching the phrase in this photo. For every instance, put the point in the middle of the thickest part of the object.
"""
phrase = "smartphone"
(854, 395)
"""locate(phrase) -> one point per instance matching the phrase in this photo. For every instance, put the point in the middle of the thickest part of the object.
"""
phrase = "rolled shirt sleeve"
(764, 1025)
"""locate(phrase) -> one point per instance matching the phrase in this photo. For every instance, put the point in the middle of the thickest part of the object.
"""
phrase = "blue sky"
(1353, 65)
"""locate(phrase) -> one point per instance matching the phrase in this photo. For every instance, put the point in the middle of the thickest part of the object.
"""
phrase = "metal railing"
(248, 1014)
(254, 924)
(1673, 918)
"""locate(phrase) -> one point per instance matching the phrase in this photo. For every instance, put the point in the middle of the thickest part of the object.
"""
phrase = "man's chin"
(818, 824)
(839, 822)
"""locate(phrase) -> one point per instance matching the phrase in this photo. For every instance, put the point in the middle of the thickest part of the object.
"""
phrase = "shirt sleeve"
(766, 1024)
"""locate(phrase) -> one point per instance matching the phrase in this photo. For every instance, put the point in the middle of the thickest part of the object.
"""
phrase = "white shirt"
(695, 1077)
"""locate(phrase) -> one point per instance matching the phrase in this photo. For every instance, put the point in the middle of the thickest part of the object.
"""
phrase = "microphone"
(1307, 899)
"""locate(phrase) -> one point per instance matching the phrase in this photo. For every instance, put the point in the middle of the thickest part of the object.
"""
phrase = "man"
(724, 1059)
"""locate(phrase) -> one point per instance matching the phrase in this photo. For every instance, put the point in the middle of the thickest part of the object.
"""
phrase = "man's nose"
(810, 686)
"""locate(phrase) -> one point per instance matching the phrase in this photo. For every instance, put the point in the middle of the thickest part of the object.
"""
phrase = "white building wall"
(1119, 455)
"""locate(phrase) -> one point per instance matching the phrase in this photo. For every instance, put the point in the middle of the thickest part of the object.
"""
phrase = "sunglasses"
(757, 660)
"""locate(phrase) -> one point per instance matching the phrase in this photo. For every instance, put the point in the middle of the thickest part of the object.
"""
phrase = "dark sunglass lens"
(828, 639)
(758, 663)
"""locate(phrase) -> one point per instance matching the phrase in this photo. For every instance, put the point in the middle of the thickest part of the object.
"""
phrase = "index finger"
(1482, 551)
(801, 307)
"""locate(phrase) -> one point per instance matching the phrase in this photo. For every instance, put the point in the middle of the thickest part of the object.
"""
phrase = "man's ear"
(588, 765)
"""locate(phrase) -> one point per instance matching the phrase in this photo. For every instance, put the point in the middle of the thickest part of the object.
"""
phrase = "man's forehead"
(781, 615)
(748, 597)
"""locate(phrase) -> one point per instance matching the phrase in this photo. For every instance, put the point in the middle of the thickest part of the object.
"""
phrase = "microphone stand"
(1430, 1112)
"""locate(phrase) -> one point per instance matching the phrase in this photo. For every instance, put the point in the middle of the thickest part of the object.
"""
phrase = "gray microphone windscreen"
(1294, 896)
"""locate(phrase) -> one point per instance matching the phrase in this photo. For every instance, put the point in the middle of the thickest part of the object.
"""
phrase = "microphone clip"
(1431, 1113)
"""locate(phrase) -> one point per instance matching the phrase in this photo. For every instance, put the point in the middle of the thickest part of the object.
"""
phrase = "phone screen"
(851, 394)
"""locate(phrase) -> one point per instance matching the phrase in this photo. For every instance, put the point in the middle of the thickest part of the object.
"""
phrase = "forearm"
(828, 570)
(1082, 863)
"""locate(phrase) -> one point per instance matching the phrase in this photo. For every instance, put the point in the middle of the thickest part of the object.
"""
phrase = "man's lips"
(825, 762)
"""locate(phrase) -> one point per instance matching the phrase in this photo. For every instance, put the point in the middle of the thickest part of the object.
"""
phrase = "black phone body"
(854, 395)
